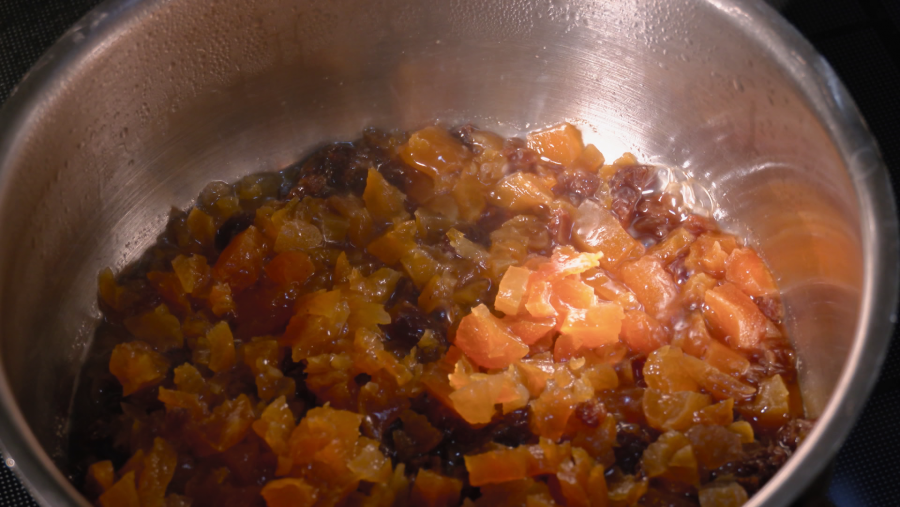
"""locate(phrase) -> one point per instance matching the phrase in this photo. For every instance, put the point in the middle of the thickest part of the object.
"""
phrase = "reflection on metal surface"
(144, 102)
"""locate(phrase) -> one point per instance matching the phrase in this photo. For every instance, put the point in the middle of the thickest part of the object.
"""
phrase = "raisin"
(626, 188)
(235, 225)
(408, 324)
(560, 226)
(656, 215)
(513, 429)
(793, 433)
(759, 464)
(631, 440)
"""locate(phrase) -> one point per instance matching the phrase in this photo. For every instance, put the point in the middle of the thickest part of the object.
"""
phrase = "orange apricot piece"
(137, 366)
(560, 144)
(735, 316)
(487, 341)
(289, 492)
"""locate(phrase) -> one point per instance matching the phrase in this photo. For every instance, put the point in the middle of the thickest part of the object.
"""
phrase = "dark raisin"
(637, 370)
(519, 156)
(513, 430)
(793, 433)
(408, 324)
(631, 440)
(577, 184)
(759, 464)
(560, 226)
(656, 215)
(235, 225)
(626, 188)
(771, 307)
(464, 134)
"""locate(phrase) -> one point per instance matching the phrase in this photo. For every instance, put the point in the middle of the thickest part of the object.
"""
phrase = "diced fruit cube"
(159, 328)
(435, 152)
(676, 244)
(641, 332)
(498, 466)
(384, 201)
(723, 494)
(671, 457)
(290, 267)
(289, 492)
(747, 271)
(709, 253)
(652, 284)
(511, 293)
(726, 359)
(714, 445)
(122, 494)
(734, 316)
(596, 326)
(221, 345)
(596, 229)
(487, 341)
(100, 477)
(435, 490)
(137, 366)
(521, 192)
(673, 411)
(664, 370)
(192, 272)
(560, 144)
(241, 263)
(771, 406)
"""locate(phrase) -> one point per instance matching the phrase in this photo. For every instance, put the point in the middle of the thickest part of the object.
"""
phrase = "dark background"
(861, 40)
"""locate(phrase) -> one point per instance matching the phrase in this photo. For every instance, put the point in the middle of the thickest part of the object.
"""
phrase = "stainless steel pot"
(143, 102)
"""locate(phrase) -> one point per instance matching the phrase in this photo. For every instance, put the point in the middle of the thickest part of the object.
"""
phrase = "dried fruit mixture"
(438, 319)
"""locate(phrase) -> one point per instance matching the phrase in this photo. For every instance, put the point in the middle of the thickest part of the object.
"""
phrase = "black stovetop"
(861, 40)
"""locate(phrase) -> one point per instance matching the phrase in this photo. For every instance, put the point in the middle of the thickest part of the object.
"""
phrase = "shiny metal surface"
(142, 103)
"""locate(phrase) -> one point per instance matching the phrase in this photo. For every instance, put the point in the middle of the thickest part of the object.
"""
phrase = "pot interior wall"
(188, 92)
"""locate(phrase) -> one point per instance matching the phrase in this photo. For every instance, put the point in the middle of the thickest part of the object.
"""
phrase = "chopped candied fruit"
(435, 152)
(709, 253)
(290, 267)
(596, 229)
(520, 192)
(424, 319)
(673, 411)
(137, 366)
(383, 200)
(511, 293)
(672, 457)
(665, 371)
(641, 332)
(122, 494)
(723, 494)
(734, 315)
(221, 344)
(771, 406)
(100, 477)
(435, 490)
(487, 341)
(159, 328)
(747, 271)
(652, 284)
(240, 264)
(560, 144)
(289, 492)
